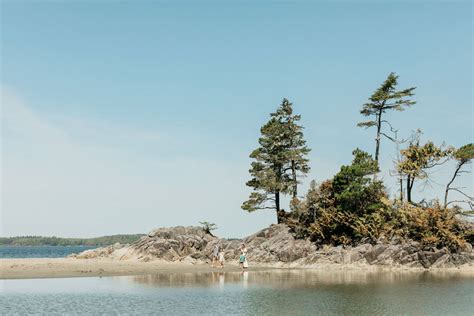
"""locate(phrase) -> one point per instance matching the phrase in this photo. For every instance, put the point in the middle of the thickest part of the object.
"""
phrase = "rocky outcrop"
(275, 245)
(103, 252)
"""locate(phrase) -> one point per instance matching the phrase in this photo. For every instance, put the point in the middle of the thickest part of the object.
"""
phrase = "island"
(349, 221)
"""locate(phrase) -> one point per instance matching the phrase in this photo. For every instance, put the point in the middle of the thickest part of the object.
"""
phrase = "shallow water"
(40, 251)
(273, 292)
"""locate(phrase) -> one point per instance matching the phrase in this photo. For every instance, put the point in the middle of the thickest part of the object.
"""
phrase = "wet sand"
(70, 267)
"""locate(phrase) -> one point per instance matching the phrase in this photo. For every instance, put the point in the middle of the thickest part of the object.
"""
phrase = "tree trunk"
(277, 205)
(295, 183)
(449, 184)
(400, 173)
(401, 189)
(377, 139)
(408, 189)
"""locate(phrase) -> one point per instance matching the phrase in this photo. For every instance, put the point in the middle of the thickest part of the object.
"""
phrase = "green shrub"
(433, 225)
(353, 206)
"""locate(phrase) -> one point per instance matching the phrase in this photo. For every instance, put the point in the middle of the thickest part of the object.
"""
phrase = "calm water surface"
(40, 251)
(249, 293)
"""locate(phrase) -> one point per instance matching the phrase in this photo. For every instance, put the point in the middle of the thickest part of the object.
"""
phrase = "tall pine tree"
(296, 145)
(278, 162)
(385, 98)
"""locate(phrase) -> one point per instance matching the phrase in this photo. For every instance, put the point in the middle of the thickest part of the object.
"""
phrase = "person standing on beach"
(221, 259)
(215, 255)
(243, 263)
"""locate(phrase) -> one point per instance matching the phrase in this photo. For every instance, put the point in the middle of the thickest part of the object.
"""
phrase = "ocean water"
(40, 251)
(273, 292)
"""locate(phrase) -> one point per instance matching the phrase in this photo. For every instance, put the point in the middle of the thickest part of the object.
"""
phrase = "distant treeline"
(57, 241)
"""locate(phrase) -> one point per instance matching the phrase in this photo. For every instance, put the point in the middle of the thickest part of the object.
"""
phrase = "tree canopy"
(354, 205)
(354, 190)
(417, 160)
(278, 161)
(384, 99)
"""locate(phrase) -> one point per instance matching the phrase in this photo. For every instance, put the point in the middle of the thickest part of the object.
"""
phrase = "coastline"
(32, 268)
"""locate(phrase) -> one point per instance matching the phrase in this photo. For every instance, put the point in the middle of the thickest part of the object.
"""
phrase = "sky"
(122, 117)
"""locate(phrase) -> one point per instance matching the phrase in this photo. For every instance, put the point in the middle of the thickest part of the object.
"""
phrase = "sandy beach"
(70, 267)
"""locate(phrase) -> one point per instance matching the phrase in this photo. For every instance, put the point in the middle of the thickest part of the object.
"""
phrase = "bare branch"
(389, 125)
(437, 163)
(461, 192)
(471, 205)
(391, 138)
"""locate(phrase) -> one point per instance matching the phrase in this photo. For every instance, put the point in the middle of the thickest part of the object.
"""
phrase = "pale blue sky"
(123, 117)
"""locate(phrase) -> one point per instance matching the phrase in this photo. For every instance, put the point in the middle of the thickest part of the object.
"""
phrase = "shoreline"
(36, 268)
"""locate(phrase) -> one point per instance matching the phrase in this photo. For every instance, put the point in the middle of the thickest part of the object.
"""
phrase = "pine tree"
(297, 149)
(268, 169)
(278, 161)
(383, 99)
(354, 191)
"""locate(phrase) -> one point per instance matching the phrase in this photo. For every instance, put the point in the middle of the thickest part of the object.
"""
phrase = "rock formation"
(276, 246)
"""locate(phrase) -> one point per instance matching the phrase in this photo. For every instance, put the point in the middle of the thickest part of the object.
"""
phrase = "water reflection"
(298, 278)
(270, 292)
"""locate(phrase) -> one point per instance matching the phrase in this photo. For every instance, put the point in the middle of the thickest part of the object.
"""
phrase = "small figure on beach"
(221, 259)
(215, 255)
(243, 263)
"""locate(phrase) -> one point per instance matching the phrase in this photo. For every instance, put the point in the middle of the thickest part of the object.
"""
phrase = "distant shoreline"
(19, 246)
(33, 268)
(60, 241)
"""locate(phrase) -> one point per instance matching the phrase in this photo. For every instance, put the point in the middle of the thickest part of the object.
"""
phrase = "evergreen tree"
(269, 178)
(208, 227)
(278, 161)
(354, 191)
(383, 99)
(296, 145)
